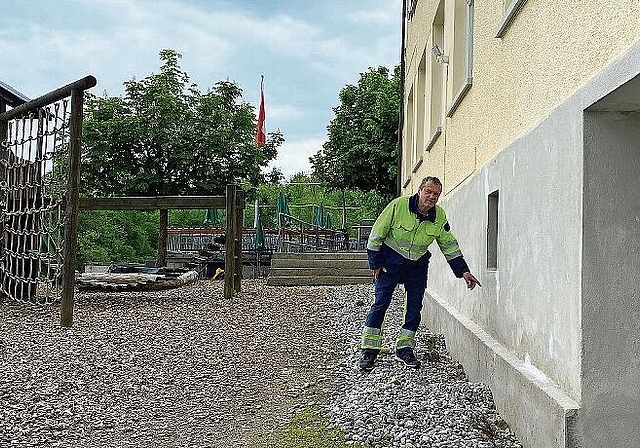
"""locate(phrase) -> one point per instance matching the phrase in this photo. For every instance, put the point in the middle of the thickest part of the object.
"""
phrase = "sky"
(307, 50)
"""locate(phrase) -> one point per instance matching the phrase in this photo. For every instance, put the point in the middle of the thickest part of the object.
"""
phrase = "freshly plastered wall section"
(554, 330)
(529, 302)
(520, 332)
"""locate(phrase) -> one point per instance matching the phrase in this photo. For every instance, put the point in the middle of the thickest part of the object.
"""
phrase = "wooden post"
(71, 212)
(229, 258)
(238, 222)
(162, 238)
(280, 231)
(344, 209)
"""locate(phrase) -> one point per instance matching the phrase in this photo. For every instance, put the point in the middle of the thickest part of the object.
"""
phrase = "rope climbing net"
(34, 166)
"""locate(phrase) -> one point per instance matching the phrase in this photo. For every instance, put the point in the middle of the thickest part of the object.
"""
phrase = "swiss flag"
(261, 135)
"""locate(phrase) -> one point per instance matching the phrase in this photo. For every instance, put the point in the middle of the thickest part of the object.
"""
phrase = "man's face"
(428, 195)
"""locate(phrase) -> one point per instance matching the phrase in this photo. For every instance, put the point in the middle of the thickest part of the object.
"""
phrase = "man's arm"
(377, 236)
(450, 248)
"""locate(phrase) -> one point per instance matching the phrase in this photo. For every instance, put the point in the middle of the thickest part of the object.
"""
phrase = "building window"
(437, 77)
(511, 10)
(411, 8)
(492, 231)
(410, 140)
(421, 104)
(461, 71)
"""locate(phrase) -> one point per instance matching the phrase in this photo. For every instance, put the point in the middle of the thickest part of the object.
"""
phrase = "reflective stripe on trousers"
(406, 339)
(371, 338)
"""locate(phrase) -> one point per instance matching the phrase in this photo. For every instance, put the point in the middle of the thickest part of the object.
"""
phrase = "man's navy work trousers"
(414, 276)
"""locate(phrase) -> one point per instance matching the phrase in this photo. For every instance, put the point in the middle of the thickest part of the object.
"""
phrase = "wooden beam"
(157, 203)
(162, 238)
(80, 85)
(237, 246)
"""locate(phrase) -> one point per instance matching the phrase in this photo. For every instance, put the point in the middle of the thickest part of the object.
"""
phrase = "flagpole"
(264, 118)
(255, 213)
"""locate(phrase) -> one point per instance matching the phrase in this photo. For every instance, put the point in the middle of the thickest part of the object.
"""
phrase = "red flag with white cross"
(261, 135)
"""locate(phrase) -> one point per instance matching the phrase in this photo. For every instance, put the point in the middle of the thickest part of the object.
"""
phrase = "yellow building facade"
(521, 60)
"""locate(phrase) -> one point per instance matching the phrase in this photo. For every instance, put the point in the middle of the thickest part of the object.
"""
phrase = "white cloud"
(293, 156)
(386, 12)
(279, 113)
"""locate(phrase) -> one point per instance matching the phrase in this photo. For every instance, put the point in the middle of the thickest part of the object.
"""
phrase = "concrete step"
(320, 255)
(317, 281)
(307, 271)
(319, 263)
(319, 268)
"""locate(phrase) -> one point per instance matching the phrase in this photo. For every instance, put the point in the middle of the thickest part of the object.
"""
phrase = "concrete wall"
(527, 338)
(531, 302)
(611, 292)
(554, 329)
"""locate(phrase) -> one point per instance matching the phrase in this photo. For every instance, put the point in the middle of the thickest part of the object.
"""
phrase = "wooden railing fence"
(296, 235)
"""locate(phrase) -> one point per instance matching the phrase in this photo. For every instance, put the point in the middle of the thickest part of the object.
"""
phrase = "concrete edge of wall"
(537, 411)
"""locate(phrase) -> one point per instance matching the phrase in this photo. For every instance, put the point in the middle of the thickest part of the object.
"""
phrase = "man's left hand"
(470, 280)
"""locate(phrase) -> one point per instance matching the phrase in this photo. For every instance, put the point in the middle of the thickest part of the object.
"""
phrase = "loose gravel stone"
(187, 368)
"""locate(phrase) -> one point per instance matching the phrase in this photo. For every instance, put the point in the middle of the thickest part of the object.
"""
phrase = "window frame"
(468, 80)
(493, 229)
(411, 9)
(510, 13)
(437, 79)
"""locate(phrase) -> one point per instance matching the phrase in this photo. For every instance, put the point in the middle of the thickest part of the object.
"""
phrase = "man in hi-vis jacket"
(397, 249)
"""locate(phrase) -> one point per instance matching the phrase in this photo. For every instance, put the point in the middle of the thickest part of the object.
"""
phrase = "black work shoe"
(366, 362)
(408, 358)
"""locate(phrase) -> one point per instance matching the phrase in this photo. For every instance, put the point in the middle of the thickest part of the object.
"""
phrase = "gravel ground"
(186, 368)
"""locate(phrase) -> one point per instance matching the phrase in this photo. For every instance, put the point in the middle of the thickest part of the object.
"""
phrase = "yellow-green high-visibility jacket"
(402, 228)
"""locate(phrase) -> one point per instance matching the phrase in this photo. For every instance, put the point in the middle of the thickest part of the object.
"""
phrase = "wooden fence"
(296, 235)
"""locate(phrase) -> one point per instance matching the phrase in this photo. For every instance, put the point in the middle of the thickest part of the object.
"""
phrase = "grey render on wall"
(554, 330)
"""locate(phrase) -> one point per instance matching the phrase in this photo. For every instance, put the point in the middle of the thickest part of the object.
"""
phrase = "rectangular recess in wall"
(492, 231)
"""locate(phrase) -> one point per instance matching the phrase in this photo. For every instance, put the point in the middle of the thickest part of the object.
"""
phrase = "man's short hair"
(433, 179)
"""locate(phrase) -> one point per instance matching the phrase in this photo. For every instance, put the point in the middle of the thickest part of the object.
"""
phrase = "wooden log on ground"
(133, 281)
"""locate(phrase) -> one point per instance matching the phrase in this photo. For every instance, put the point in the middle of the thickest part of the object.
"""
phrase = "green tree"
(117, 236)
(166, 137)
(162, 137)
(275, 176)
(361, 150)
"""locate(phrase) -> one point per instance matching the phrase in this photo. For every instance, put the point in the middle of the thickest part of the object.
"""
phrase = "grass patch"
(310, 430)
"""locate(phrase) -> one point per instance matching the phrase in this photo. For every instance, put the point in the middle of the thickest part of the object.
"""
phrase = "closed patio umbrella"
(211, 218)
(328, 224)
(259, 241)
(319, 218)
(282, 207)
